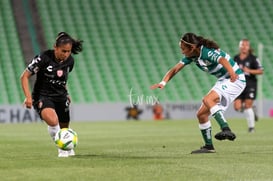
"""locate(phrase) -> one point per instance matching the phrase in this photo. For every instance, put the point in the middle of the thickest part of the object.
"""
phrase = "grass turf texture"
(144, 150)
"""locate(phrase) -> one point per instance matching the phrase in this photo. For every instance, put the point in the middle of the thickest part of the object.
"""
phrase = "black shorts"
(249, 92)
(61, 108)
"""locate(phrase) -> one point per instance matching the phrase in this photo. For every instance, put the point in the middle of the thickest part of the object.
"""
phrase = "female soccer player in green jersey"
(231, 82)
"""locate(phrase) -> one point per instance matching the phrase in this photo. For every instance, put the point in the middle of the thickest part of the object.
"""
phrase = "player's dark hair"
(251, 50)
(191, 39)
(63, 38)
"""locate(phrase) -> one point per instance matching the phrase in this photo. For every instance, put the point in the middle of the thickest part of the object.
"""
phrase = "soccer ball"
(66, 139)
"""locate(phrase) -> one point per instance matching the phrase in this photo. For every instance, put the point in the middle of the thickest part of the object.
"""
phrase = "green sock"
(206, 133)
(219, 117)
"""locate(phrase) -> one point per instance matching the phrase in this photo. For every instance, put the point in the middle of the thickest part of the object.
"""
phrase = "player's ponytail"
(207, 43)
(76, 46)
(63, 38)
(191, 39)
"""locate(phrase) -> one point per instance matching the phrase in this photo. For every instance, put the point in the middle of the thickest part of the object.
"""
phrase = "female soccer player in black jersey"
(251, 67)
(50, 96)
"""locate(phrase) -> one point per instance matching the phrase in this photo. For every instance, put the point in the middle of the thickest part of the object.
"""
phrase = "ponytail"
(77, 46)
(192, 39)
(207, 43)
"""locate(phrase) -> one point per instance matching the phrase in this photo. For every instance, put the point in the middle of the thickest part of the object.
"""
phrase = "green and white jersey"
(208, 61)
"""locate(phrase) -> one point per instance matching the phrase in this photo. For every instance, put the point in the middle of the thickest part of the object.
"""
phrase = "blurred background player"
(231, 82)
(50, 96)
(251, 67)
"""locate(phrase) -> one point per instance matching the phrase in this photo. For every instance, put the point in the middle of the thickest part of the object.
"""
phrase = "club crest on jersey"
(59, 73)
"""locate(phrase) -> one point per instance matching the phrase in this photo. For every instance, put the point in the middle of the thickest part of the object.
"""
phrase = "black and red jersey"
(51, 75)
(251, 62)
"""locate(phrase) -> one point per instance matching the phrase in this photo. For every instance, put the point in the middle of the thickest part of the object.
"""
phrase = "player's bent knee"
(237, 108)
(207, 101)
(204, 100)
(49, 116)
(202, 117)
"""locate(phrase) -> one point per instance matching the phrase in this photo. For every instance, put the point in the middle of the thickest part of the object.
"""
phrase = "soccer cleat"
(71, 152)
(225, 134)
(251, 130)
(62, 153)
(204, 149)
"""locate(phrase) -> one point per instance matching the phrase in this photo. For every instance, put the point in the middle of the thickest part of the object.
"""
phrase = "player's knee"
(202, 117)
(208, 102)
(238, 105)
(199, 115)
(237, 108)
(205, 101)
(50, 117)
(248, 105)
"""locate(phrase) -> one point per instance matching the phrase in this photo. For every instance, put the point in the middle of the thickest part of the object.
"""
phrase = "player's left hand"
(246, 70)
(68, 99)
(233, 77)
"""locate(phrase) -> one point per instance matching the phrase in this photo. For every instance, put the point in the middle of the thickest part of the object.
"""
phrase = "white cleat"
(71, 152)
(62, 153)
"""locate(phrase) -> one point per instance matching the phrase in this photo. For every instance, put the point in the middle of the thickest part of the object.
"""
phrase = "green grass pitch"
(143, 150)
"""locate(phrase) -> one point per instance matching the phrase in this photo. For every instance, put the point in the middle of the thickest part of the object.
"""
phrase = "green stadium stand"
(131, 44)
(11, 58)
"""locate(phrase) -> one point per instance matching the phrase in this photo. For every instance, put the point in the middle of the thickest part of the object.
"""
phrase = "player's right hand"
(161, 86)
(233, 77)
(28, 102)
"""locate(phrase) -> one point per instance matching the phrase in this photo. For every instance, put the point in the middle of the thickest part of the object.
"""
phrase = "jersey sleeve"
(185, 61)
(257, 64)
(36, 64)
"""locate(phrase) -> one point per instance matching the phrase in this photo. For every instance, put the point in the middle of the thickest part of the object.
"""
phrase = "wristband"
(163, 83)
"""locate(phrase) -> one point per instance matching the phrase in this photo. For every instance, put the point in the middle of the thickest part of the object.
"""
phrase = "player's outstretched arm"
(168, 76)
(25, 86)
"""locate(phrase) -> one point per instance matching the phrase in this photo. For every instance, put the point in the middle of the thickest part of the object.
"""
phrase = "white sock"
(205, 125)
(215, 109)
(249, 113)
(52, 130)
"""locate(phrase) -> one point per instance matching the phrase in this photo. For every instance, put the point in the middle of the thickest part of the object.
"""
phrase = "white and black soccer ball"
(66, 139)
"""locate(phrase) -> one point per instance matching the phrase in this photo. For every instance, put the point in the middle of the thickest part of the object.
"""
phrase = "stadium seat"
(131, 44)
(11, 64)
